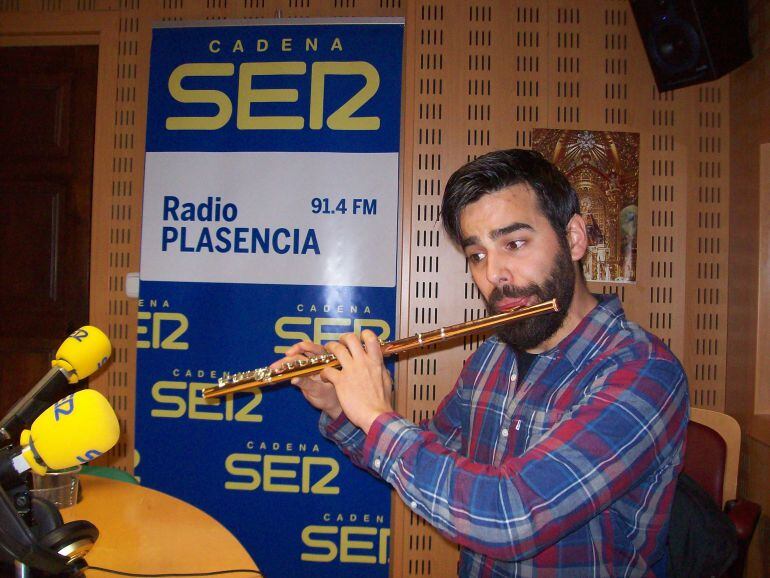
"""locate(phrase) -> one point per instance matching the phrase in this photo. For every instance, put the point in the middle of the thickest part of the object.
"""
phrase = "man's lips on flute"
(508, 303)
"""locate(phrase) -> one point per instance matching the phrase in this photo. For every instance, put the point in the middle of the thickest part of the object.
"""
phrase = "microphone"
(80, 355)
(75, 430)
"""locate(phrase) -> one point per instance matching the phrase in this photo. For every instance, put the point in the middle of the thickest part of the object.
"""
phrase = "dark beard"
(560, 284)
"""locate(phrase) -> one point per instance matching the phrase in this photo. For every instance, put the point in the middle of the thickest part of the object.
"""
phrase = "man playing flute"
(557, 451)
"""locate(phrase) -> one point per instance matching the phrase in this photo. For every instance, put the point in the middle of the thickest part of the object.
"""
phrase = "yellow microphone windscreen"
(83, 352)
(75, 430)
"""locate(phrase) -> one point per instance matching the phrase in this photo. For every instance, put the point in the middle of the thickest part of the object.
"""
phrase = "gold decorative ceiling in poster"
(603, 167)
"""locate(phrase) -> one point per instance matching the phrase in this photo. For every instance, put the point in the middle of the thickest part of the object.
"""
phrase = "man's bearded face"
(560, 285)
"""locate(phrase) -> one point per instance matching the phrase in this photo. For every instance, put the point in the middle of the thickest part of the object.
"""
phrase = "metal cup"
(58, 487)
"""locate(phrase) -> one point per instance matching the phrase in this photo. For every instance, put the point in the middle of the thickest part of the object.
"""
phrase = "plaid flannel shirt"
(567, 472)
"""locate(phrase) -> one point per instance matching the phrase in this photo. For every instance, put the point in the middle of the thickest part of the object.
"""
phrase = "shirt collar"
(579, 343)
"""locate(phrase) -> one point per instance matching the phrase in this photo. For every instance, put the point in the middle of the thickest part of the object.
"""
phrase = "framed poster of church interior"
(603, 167)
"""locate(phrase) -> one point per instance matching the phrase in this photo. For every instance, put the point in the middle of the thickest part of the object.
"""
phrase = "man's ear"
(577, 237)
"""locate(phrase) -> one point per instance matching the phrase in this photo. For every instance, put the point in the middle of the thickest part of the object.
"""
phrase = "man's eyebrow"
(497, 233)
(472, 240)
(513, 227)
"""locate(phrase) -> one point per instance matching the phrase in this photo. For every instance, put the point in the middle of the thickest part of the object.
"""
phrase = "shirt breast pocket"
(533, 425)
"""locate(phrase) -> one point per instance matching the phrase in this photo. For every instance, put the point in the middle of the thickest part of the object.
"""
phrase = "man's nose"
(498, 273)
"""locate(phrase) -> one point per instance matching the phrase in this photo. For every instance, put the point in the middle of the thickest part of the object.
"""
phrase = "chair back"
(713, 452)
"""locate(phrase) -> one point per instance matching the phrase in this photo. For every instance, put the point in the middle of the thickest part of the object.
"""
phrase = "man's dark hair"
(501, 169)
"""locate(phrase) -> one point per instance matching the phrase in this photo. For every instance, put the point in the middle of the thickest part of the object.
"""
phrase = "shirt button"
(377, 462)
(413, 505)
(505, 432)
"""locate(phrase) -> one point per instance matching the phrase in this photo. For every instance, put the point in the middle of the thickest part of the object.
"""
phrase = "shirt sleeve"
(347, 436)
(630, 422)
(444, 428)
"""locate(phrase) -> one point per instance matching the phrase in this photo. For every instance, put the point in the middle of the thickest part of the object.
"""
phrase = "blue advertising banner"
(270, 216)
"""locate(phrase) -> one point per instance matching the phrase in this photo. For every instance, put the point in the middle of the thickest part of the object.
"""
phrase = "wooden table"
(143, 530)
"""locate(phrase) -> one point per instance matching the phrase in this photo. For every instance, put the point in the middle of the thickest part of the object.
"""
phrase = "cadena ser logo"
(316, 115)
(315, 83)
(64, 407)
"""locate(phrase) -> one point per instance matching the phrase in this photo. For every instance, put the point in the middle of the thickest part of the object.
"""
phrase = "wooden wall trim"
(762, 388)
(398, 513)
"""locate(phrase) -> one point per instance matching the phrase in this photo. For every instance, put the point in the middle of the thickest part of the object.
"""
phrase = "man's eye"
(516, 244)
(476, 257)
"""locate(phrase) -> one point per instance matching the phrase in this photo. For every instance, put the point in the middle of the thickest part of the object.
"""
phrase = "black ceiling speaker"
(692, 41)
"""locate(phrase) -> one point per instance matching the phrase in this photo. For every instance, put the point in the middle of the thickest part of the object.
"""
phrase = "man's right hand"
(320, 394)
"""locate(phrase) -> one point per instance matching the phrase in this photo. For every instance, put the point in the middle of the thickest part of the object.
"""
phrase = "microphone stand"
(21, 499)
(18, 537)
